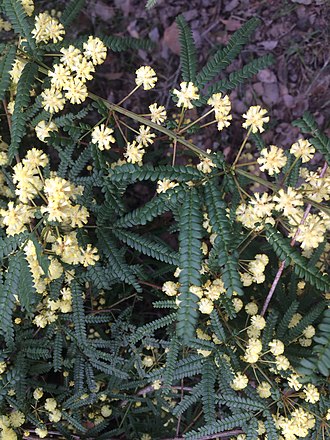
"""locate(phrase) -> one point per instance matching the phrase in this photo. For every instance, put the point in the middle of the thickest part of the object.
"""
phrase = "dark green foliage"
(208, 391)
(6, 63)
(120, 44)
(113, 337)
(11, 243)
(220, 223)
(78, 314)
(189, 400)
(190, 263)
(158, 250)
(131, 173)
(150, 328)
(24, 86)
(239, 77)
(228, 423)
(171, 364)
(7, 301)
(284, 322)
(108, 245)
(150, 210)
(18, 18)
(187, 51)
(71, 11)
(300, 264)
(26, 292)
(321, 142)
(217, 326)
(319, 361)
(224, 57)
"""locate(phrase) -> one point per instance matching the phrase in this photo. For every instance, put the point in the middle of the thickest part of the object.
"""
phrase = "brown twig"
(292, 243)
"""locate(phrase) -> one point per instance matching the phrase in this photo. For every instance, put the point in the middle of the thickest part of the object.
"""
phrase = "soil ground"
(296, 32)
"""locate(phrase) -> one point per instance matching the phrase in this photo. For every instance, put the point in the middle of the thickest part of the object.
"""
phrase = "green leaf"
(25, 85)
(9, 244)
(208, 390)
(187, 51)
(224, 57)
(190, 263)
(321, 142)
(6, 64)
(238, 77)
(300, 264)
(20, 21)
(108, 246)
(78, 314)
(71, 11)
(26, 292)
(151, 3)
(146, 246)
(227, 257)
(120, 44)
(7, 299)
(131, 173)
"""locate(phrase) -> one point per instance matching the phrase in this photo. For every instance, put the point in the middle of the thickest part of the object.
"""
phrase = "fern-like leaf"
(108, 246)
(319, 360)
(188, 400)
(300, 264)
(208, 393)
(226, 424)
(7, 300)
(224, 57)
(238, 77)
(151, 327)
(321, 142)
(71, 11)
(131, 173)
(171, 363)
(120, 44)
(227, 258)
(20, 21)
(11, 243)
(24, 87)
(190, 263)
(6, 63)
(157, 250)
(78, 313)
(187, 51)
(152, 209)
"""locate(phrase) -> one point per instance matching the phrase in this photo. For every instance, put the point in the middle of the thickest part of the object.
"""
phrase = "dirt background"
(296, 32)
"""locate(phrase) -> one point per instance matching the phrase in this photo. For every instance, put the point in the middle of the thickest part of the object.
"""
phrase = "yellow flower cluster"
(288, 203)
(68, 78)
(28, 6)
(207, 294)
(297, 426)
(206, 164)
(157, 113)
(7, 422)
(146, 77)
(102, 137)
(255, 270)
(222, 107)
(47, 28)
(135, 150)
(164, 185)
(255, 119)
(187, 93)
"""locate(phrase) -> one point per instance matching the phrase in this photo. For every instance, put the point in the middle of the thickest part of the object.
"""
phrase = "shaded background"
(296, 32)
